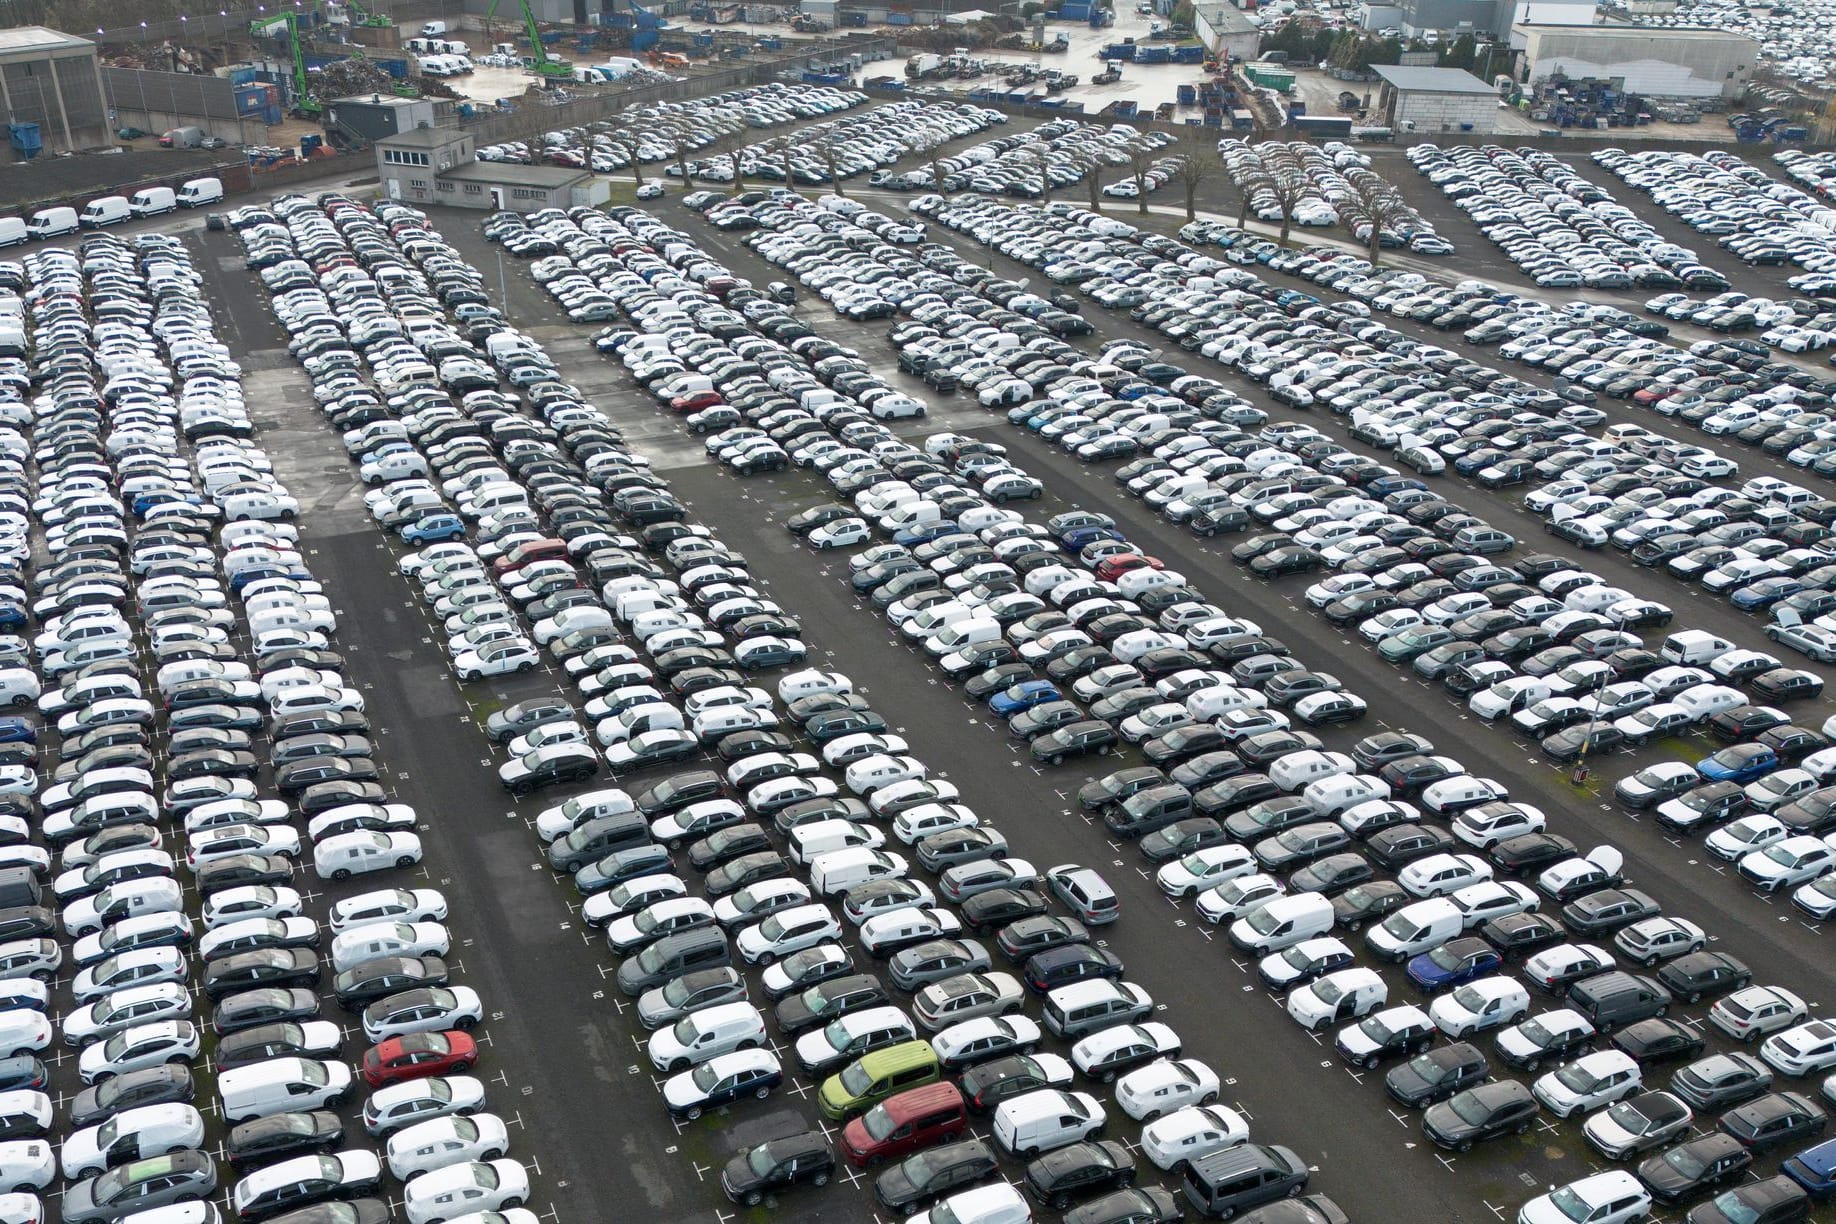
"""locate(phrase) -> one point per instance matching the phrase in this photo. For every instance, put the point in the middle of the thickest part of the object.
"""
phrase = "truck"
(919, 66)
(1322, 125)
(186, 137)
(617, 66)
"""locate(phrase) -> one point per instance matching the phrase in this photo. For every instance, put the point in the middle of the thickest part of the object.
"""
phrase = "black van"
(1148, 810)
(672, 956)
(1225, 1183)
(1613, 1000)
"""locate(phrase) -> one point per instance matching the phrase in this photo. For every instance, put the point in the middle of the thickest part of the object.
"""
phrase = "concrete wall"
(1225, 31)
(1438, 112)
(1648, 61)
(1419, 16)
(155, 101)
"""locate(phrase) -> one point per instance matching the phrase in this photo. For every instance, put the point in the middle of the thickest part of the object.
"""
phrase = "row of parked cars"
(1326, 184)
(1584, 868)
(865, 143)
(169, 548)
(1561, 229)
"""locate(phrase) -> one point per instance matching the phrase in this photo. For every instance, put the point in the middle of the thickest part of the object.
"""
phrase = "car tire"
(753, 1197)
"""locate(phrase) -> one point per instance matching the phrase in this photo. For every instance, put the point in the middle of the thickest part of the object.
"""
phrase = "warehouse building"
(375, 116)
(1435, 100)
(1652, 61)
(1226, 31)
(51, 80)
(1452, 18)
(440, 166)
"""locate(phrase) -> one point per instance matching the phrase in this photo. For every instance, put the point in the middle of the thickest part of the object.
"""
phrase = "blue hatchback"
(1454, 963)
(1741, 763)
(1814, 1168)
(18, 731)
(1079, 538)
(433, 529)
(924, 532)
(1022, 696)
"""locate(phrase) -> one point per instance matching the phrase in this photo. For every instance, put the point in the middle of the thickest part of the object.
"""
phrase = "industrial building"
(376, 116)
(1417, 99)
(1480, 18)
(1226, 31)
(430, 165)
(1651, 61)
(51, 96)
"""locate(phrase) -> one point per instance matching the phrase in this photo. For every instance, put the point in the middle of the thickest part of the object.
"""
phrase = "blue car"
(1765, 593)
(1023, 696)
(13, 616)
(924, 532)
(145, 503)
(1814, 1168)
(1078, 538)
(18, 731)
(433, 529)
(1454, 963)
(1741, 763)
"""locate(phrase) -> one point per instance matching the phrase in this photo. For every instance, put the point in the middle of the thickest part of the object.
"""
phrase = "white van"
(822, 836)
(1281, 922)
(196, 193)
(1298, 769)
(281, 1085)
(13, 231)
(1207, 704)
(928, 621)
(963, 635)
(107, 210)
(52, 222)
(1332, 796)
(152, 201)
(836, 873)
(900, 518)
(1136, 583)
(1045, 1119)
(1693, 647)
(1416, 928)
(705, 1034)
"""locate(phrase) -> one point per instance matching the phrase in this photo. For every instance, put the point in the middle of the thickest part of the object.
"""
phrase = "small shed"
(1435, 99)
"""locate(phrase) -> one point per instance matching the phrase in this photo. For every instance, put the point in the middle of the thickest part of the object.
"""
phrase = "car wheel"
(747, 1044)
(1058, 759)
(1649, 961)
(753, 1197)
(1530, 1067)
(1060, 1202)
(1465, 1145)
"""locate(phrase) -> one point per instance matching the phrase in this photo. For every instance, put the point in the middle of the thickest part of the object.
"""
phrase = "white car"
(1553, 968)
(1744, 836)
(27, 1164)
(439, 1142)
(915, 824)
(1803, 1049)
(135, 967)
(1164, 1086)
(1185, 1135)
(125, 1008)
(423, 1010)
(1526, 1043)
(1612, 1197)
(148, 1130)
(250, 901)
(1233, 899)
(388, 905)
(1343, 995)
(146, 1045)
(1487, 1003)
(460, 1190)
(347, 854)
(1205, 868)
(1755, 1011)
(1401, 1030)
(1590, 1081)
(390, 1109)
(376, 940)
(789, 930)
(1440, 874)
(985, 1037)
(839, 534)
(1787, 863)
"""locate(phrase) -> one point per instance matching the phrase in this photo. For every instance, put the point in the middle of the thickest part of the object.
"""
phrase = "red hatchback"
(547, 549)
(419, 1055)
(1111, 568)
(695, 401)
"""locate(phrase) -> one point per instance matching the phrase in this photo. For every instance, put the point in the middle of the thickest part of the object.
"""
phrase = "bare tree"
(1290, 190)
(826, 145)
(783, 146)
(1089, 165)
(1380, 204)
(732, 144)
(626, 141)
(1248, 184)
(1041, 157)
(1197, 166)
(1141, 159)
(677, 132)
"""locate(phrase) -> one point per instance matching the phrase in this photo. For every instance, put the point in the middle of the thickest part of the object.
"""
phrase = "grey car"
(703, 988)
(525, 716)
(1721, 1079)
(141, 1185)
(936, 959)
(944, 850)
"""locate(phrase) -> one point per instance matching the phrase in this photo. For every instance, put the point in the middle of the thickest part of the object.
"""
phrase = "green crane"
(543, 64)
(361, 16)
(303, 101)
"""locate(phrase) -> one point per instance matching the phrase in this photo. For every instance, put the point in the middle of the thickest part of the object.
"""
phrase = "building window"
(442, 185)
(474, 189)
(399, 157)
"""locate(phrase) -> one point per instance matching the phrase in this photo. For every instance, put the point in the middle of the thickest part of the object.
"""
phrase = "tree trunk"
(739, 173)
(937, 174)
(784, 158)
(1376, 240)
(1286, 223)
(1141, 192)
(1095, 187)
(835, 182)
(1243, 210)
(1192, 201)
(1045, 185)
(637, 167)
(682, 163)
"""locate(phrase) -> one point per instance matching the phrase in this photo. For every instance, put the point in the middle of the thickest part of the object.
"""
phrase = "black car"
(1693, 1166)
(1721, 1079)
(357, 988)
(1437, 1074)
(262, 1042)
(1359, 906)
(1059, 1178)
(1658, 1040)
(1776, 1200)
(1047, 971)
(149, 1086)
(725, 845)
(1603, 912)
(1181, 838)
(986, 1086)
(1074, 739)
(240, 869)
(921, 1179)
(269, 1005)
(1332, 875)
(1026, 937)
(281, 1135)
(284, 967)
(1517, 936)
(1375, 751)
(677, 792)
(1502, 1107)
(996, 908)
(1528, 853)
(776, 1164)
(1399, 845)
(817, 1005)
(1776, 1118)
(1700, 975)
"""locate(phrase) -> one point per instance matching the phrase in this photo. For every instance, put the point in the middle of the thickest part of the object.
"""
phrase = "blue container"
(251, 98)
(25, 139)
(272, 116)
(901, 19)
(242, 76)
(854, 19)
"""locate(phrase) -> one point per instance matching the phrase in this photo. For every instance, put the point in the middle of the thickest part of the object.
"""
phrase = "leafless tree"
(1090, 165)
(827, 146)
(1380, 205)
(625, 140)
(1041, 157)
(1198, 165)
(783, 146)
(677, 133)
(1290, 190)
(1247, 186)
(1141, 159)
(732, 144)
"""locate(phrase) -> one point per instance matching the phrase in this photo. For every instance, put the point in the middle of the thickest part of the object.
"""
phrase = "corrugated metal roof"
(36, 40)
(1432, 80)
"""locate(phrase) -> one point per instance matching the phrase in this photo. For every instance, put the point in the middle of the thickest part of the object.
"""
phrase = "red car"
(695, 401)
(546, 549)
(419, 1055)
(1111, 568)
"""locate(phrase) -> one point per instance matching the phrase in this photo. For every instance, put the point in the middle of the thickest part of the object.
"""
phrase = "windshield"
(837, 1035)
(856, 1079)
(1262, 921)
(1534, 1032)
(1469, 1108)
(705, 1076)
(1570, 1204)
(1198, 864)
(1734, 1210)
(878, 1123)
(760, 1160)
(1376, 1029)
(1328, 991)
(1444, 957)
(1470, 998)
(1629, 1118)
(1684, 1161)
(1576, 1078)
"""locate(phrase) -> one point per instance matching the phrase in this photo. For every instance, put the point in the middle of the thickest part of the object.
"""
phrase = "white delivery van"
(51, 222)
(432, 29)
(965, 634)
(13, 231)
(281, 1085)
(838, 872)
(1693, 647)
(822, 836)
(1416, 928)
(108, 210)
(1282, 922)
(1300, 769)
(152, 201)
(929, 621)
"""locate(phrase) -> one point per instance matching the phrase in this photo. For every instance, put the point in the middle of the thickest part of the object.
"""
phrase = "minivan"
(1046, 1119)
(1615, 999)
(152, 201)
(876, 1076)
(1223, 1183)
(1282, 922)
(106, 210)
(282, 1085)
(913, 1119)
(672, 956)
(1097, 1003)
(1416, 928)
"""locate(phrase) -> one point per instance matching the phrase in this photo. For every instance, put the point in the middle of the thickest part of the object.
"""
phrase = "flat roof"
(424, 138)
(1432, 80)
(1227, 19)
(515, 174)
(30, 40)
(378, 100)
(1623, 29)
